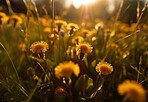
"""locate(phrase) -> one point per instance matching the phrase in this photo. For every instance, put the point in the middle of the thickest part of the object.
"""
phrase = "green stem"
(11, 63)
(9, 6)
(83, 78)
(96, 90)
(47, 65)
(27, 22)
(70, 92)
(33, 91)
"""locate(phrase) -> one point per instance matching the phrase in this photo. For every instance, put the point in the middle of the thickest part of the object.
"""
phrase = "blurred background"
(74, 10)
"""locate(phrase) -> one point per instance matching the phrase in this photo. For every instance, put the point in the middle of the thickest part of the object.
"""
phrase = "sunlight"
(78, 3)
(111, 7)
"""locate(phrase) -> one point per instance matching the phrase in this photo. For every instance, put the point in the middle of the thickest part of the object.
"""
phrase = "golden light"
(111, 7)
(78, 3)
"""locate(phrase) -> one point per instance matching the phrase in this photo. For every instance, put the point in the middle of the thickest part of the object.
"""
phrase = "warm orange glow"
(78, 3)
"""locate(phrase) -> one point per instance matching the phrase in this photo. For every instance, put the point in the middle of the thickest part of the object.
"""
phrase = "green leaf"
(85, 60)
(100, 85)
(88, 83)
(93, 63)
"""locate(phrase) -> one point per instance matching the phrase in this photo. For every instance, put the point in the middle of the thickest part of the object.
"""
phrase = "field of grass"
(46, 60)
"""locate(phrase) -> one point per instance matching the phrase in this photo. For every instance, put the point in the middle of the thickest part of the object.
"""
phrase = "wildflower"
(82, 49)
(60, 91)
(22, 16)
(66, 69)
(15, 20)
(22, 47)
(104, 68)
(99, 26)
(60, 23)
(77, 39)
(134, 91)
(53, 36)
(72, 28)
(39, 47)
(86, 33)
(3, 18)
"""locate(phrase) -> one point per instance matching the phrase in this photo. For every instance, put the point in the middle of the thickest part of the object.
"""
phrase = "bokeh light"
(78, 3)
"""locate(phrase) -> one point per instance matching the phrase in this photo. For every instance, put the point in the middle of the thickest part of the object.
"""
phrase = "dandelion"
(134, 92)
(99, 26)
(104, 68)
(15, 20)
(77, 39)
(40, 47)
(60, 23)
(66, 69)
(53, 36)
(72, 28)
(82, 49)
(3, 18)
(86, 33)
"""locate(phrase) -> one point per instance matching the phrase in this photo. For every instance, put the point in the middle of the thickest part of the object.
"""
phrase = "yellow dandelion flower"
(23, 16)
(77, 39)
(66, 69)
(53, 36)
(104, 68)
(73, 26)
(60, 23)
(134, 91)
(15, 20)
(3, 18)
(86, 33)
(39, 47)
(22, 47)
(99, 25)
(2, 14)
(60, 91)
(83, 48)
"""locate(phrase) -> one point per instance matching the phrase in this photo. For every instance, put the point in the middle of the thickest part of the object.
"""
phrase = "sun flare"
(78, 3)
